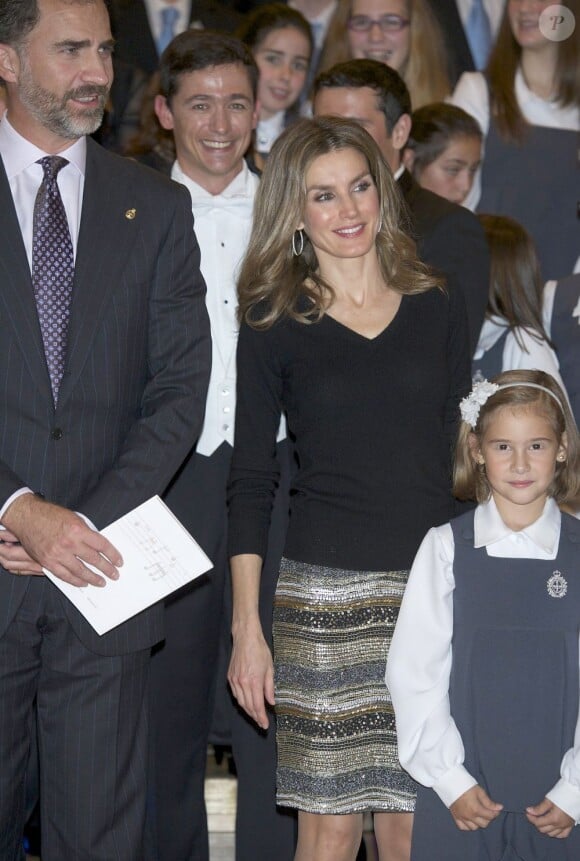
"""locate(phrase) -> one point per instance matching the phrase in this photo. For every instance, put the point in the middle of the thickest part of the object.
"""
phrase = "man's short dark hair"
(18, 18)
(393, 97)
(195, 50)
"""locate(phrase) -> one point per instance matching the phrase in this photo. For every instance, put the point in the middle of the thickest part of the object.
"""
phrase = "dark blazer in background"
(451, 240)
(458, 51)
(132, 399)
(135, 43)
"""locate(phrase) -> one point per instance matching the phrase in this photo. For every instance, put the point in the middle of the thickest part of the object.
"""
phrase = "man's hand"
(58, 539)
(549, 819)
(251, 675)
(14, 557)
(474, 809)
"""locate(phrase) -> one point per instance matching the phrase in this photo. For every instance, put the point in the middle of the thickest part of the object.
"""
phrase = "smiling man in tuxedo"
(103, 372)
(208, 85)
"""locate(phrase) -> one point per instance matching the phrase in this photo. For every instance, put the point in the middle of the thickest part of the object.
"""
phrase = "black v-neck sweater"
(374, 423)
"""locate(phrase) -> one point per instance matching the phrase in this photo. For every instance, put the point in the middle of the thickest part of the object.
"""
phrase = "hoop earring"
(380, 227)
(297, 252)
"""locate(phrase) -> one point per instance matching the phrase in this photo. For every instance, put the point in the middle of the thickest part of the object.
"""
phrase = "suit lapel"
(16, 293)
(105, 239)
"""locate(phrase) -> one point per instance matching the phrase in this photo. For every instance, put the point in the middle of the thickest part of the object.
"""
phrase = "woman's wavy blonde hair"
(425, 72)
(272, 276)
(469, 478)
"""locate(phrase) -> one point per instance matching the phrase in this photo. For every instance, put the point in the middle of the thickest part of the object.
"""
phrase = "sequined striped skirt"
(336, 737)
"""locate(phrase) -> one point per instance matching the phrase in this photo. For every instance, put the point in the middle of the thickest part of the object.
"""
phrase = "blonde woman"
(403, 34)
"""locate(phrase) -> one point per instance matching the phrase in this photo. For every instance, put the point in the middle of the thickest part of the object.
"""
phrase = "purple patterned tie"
(52, 268)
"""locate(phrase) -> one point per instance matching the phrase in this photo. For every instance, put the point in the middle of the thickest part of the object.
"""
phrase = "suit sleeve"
(177, 376)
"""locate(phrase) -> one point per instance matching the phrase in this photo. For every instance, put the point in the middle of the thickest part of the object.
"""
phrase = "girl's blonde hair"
(273, 281)
(469, 478)
(425, 71)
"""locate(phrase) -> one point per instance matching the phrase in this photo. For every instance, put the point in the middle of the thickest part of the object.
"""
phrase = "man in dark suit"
(449, 238)
(138, 44)
(104, 368)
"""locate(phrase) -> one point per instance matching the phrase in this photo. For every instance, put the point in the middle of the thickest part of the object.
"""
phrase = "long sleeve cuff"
(453, 784)
(14, 496)
(567, 797)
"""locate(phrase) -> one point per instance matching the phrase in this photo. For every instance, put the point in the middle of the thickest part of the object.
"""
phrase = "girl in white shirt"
(528, 106)
(513, 335)
(483, 666)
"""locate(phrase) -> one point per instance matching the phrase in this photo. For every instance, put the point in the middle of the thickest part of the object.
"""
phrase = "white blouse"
(535, 355)
(419, 664)
(471, 94)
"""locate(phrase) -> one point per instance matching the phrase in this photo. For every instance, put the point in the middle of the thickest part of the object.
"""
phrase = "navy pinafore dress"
(513, 695)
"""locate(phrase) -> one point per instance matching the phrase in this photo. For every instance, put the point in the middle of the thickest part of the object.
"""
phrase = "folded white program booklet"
(159, 556)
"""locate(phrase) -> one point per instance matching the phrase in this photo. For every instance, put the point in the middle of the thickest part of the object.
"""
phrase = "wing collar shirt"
(430, 746)
(24, 176)
(222, 225)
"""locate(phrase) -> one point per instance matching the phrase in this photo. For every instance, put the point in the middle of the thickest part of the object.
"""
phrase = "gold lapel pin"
(130, 214)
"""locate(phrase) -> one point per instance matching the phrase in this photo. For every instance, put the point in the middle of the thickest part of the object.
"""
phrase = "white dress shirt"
(19, 157)
(535, 355)
(25, 176)
(420, 656)
(154, 9)
(268, 131)
(494, 9)
(471, 94)
(222, 225)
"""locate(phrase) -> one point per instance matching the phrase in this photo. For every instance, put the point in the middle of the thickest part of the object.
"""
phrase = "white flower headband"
(482, 392)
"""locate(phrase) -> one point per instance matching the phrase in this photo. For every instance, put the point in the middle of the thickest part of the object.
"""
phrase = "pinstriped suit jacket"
(132, 400)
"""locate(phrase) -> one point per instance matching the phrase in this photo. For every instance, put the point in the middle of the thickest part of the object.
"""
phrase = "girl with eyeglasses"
(403, 34)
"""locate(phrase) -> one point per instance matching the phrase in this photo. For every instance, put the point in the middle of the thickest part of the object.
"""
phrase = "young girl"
(483, 666)
(443, 151)
(513, 335)
(280, 39)
(403, 34)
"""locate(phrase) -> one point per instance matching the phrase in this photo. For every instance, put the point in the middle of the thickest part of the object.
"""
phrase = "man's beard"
(56, 114)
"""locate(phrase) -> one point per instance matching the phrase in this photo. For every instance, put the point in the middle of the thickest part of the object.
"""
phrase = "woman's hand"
(549, 819)
(251, 674)
(251, 671)
(474, 809)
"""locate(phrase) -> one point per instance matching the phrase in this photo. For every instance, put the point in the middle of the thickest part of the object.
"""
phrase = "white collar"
(491, 331)
(525, 96)
(182, 6)
(268, 131)
(543, 532)
(323, 17)
(18, 153)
